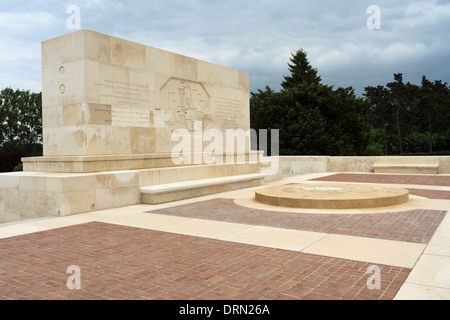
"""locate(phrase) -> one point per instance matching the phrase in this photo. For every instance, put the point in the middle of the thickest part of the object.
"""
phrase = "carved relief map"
(188, 101)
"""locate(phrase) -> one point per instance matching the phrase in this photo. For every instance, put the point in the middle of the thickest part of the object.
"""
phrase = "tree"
(380, 111)
(313, 118)
(400, 96)
(9, 118)
(21, 121)
(417, 117)
(301, 71)
(433, 100)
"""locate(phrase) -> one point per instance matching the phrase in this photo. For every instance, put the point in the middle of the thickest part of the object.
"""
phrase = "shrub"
(19, 167)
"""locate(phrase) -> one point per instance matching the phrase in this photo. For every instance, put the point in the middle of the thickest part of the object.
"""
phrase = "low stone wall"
(297, 165)
(30, 195)
(350, 164)
(444, 165)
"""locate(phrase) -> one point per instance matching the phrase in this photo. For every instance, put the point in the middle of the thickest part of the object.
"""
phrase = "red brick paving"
(430, 194)
(412, 226)
(429, 180)
(119, 262)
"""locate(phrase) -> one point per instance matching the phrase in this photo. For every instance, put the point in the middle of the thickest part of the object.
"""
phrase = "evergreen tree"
(313, 118)
(301, 71)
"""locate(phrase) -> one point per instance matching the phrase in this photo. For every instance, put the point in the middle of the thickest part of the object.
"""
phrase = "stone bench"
(407, 165)
(163, 193)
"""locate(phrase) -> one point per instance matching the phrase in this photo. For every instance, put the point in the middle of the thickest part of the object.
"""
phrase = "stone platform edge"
(29, 195)
(96, 163)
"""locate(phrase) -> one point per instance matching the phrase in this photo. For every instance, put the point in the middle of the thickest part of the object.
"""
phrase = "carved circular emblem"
(312, 189)
(61, 70)
(62, 88)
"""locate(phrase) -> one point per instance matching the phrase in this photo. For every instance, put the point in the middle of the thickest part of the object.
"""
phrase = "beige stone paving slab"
(440, 242)
(276, 238)
(18, 229)
(41, 224)
(150, 221)
(430, 277)
(442, 234)
(200, 227)
(137, 208)
(412, 291)
(431, 270)
(37, 225)
(441, 250)
(395, 253)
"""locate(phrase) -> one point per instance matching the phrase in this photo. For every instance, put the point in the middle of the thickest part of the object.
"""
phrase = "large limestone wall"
(108, 96)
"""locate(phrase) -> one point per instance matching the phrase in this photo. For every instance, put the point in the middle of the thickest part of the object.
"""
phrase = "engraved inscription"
(130, 102)
(229, 123)
(124, 116)
(125, 94)
(229, 108)
(100, 114)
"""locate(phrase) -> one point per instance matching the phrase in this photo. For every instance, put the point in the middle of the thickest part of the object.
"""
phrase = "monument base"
(29, 195)
(86, 164)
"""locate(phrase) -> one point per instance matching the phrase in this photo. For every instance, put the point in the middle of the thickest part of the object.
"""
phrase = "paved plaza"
(228, 246)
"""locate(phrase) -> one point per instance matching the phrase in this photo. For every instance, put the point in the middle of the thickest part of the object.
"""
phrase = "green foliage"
(21, 121)
(316, 119)
(313, 118)
(413, 119)
(374, 147)
(19, 167)
(301, 71)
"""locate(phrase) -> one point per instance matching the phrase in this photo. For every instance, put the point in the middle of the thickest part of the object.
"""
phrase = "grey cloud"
(258, 37)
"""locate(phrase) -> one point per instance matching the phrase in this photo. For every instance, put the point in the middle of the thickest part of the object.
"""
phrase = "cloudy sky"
(255, 36)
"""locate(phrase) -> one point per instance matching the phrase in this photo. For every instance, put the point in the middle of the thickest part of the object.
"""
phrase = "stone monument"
(114, 111)
(116, 103)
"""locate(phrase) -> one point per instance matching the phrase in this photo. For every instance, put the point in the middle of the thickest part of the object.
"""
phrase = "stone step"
(196, 188)
(406, 168)
(163, 176)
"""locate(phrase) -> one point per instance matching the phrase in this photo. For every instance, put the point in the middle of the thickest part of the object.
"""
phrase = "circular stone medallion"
(332, 196)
